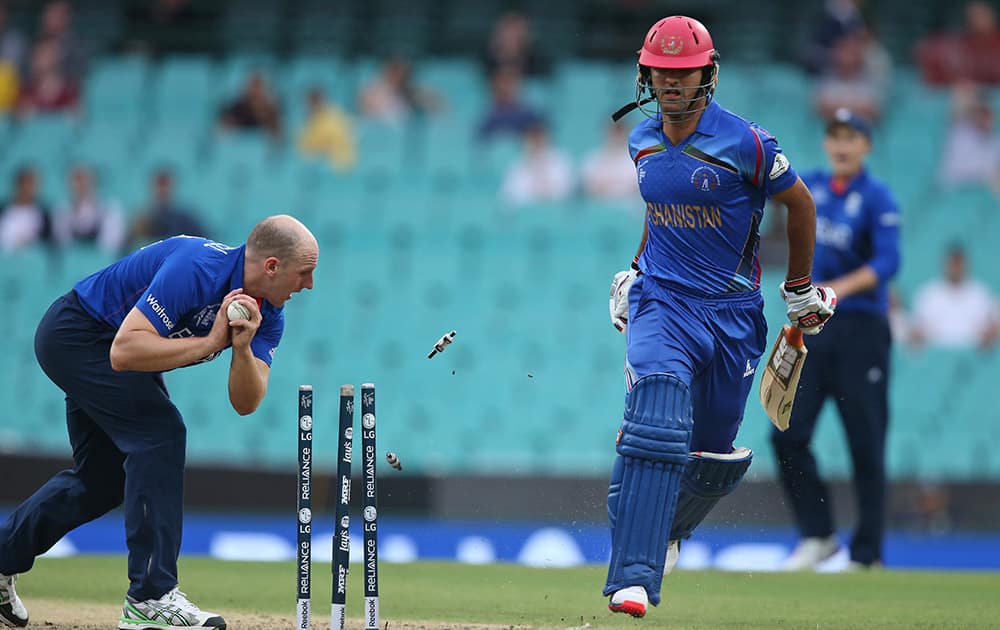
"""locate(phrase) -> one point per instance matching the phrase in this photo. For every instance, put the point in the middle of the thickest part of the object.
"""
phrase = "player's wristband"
(799, 285)
(635, 263)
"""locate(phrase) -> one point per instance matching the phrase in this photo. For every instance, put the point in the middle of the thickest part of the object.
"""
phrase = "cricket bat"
(781, 376)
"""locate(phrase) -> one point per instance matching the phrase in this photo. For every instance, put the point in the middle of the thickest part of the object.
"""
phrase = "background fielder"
(857, 253)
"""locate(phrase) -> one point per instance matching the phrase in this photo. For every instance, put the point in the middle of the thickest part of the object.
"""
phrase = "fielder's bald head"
(283, 237)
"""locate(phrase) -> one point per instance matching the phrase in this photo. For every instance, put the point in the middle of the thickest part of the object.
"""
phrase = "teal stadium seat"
(381, 149)
(238, 157)
(40, 140)
(460, 83)
(109, 146)
(183, 91)
(580, 105)
(178, 147)
(116, 89)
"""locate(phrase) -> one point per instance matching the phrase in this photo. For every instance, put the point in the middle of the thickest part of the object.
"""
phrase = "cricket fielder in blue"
(691, 305)
(105, 344)
(857, 253)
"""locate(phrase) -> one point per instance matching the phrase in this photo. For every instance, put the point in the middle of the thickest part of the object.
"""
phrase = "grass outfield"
(509, 595)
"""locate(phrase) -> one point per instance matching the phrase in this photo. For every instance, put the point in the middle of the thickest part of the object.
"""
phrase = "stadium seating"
(415, 244)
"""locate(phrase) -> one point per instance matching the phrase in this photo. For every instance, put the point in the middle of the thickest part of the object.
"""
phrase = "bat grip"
(793, 335)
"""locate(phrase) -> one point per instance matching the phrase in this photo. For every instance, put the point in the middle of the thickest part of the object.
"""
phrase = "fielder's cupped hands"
(225, 332)
(243, 330)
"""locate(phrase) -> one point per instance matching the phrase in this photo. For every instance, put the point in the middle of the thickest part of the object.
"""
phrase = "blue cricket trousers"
(711, 343)
(848, 363)
(128, 444)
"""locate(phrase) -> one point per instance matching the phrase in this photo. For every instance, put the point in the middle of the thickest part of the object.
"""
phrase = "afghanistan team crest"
(705, 179)
(671, 45)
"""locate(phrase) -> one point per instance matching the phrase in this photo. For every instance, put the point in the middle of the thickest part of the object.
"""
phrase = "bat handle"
(793, 335)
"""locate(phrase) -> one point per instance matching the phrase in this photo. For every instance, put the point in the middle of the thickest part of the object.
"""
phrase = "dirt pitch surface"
(53, 613)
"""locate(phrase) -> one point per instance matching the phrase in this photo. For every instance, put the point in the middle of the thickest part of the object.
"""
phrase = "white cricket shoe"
(172, 610)
(13, 614)
(673, 553)
(810, 552)
(631, 601)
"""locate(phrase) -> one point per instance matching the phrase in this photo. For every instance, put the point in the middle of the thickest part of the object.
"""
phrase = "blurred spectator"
(48, 89)
(11, 61)
(392, 96)
(24, 220)
(507, 114)
(970, 54)
(972, 150)
(87, 218)
(56, 29)
(839, 18)
(955, 311)
(858, 77)
(9, 86)
(511, 48)
(542, 173)
(254, 109)
(11, 42)
(608, 172)
(329, 132)
(899, 320)
(157, 27)
(164, 217)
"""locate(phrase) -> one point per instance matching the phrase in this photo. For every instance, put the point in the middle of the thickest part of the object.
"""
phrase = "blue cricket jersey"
(705, 199)
(178, 284)
(856, 225)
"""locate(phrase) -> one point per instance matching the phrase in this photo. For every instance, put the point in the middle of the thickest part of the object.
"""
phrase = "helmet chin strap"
(645, 94)
(627, 108)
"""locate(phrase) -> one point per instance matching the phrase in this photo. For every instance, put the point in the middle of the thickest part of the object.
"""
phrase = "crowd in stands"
(328, 132)
(24, 219)
(954, 311)
(393, 97)
(89, 217)
(968, 54)
(971, 154)
(254, 109)
(852, 69)
(45, 74)
(850, 66)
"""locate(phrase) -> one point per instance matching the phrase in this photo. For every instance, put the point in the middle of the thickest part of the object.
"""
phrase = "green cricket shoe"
(13, 614)
(173, 610)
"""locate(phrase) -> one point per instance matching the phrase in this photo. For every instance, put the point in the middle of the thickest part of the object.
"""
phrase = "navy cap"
(846, 117)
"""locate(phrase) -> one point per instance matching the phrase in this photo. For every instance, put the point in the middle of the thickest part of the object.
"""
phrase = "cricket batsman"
(691, 306)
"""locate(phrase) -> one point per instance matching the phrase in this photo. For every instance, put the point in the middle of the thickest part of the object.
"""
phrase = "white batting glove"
(809, 307)
(618, 301)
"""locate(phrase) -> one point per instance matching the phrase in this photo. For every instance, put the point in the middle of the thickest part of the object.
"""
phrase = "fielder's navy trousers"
(128, 444)
(848, 363)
